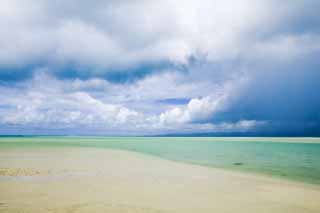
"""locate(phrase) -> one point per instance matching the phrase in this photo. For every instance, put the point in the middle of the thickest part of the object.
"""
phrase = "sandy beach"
(105, 180)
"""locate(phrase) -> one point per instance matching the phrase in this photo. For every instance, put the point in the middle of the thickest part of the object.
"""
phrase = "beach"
(78, 179)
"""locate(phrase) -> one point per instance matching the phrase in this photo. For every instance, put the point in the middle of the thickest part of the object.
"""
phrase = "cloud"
(159, 66)
(120, 35)
(44, 102)
(286, 47)
(53, 104)
(197, 110)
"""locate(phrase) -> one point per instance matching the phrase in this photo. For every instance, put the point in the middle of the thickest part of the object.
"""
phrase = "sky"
(147, 67)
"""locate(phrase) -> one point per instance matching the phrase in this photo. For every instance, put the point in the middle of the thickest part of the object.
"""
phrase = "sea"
(296, 159)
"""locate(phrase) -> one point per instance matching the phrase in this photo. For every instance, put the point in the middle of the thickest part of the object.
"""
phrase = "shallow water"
(291, 158)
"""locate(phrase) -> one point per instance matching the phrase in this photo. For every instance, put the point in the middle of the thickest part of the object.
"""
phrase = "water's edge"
(293, 160)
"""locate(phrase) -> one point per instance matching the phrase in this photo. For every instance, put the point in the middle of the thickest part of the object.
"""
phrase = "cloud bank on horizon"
(157, 67)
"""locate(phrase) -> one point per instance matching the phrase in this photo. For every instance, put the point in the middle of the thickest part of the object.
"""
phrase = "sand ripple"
(21, 172)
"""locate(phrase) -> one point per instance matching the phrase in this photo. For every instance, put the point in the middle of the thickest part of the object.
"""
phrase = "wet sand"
(104, 180)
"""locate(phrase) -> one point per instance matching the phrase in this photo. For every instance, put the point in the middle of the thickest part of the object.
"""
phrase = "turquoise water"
(291, 158)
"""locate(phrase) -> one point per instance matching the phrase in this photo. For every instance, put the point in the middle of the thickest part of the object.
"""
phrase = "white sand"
(101, 180)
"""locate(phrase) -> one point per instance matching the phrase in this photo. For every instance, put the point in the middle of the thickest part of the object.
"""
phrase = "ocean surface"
(295, 159)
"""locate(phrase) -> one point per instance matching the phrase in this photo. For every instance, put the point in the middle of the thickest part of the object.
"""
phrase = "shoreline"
(93, 180)
(259, 173)
(308, 140)
(29, 172)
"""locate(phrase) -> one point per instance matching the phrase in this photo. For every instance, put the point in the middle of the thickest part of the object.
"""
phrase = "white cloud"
(242, 125)
(46, 102)
(202, 110)
(69, 110)
(112, 34)
(197, 110)
(229, 40)
(286, 47)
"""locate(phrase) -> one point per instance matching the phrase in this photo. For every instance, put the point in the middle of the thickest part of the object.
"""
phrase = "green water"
(291, 158)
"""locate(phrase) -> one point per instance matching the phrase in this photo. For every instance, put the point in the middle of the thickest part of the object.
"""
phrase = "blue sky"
(159, 67)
